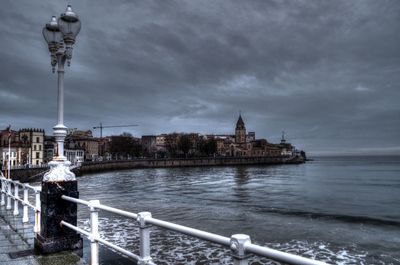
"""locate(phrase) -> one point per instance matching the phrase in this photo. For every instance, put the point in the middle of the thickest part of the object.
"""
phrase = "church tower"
(283, 140)
(240, 131)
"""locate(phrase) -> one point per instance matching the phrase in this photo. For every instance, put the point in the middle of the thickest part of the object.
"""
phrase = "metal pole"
(144, 232)
(60, 71)
(94, 226)
(25, 217)
(16, 197)
(9, 156)
(8, 207)
(3, 190)
(238, 248)
(36, 228)
(60, 130)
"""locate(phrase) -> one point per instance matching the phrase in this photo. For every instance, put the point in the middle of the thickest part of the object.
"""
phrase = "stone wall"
(36, 174)
(28, 174)
(190, 162)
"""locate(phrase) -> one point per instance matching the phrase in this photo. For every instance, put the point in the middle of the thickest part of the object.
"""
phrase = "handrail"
(239, 244)
(89, 235)
(101, 207)
(10, 191)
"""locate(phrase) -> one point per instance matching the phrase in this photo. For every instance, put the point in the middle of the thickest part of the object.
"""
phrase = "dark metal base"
(53, 237)
(54, 245)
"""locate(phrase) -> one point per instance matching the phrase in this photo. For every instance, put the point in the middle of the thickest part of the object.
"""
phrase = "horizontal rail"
(100, 240)
(75, 200)
(23, 185)
(10, 190)
(77, 229)
(100, 206)
(22, 201)
(225, 241)
(281, 256)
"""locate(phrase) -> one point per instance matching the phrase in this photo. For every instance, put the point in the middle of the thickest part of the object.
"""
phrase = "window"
(40, 148)
(37, 140)
(37, 155)
(34, 147)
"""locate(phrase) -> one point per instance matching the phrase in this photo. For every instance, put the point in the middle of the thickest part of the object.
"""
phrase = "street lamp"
(60, 36)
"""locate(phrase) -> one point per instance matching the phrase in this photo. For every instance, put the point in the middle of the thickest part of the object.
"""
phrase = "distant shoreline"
(94, 167)
(353, 155)
(36, 174)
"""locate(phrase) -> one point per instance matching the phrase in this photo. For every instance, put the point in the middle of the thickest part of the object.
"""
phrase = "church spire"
(240, 131)
(240, 122)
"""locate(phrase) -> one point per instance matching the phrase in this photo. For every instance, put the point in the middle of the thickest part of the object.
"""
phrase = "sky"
(325, 72)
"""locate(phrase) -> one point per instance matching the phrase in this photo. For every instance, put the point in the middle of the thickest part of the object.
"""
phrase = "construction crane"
(111, 126)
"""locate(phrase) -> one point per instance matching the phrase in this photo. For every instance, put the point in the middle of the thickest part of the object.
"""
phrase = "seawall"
(92, 167)
(28, 174)
(36, 174)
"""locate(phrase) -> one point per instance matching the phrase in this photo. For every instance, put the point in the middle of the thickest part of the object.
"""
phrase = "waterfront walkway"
(16, 244)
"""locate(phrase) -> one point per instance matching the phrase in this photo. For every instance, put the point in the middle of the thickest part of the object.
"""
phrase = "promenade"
(16, 244)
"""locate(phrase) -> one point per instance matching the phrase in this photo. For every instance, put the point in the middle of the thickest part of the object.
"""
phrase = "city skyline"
(326, 73)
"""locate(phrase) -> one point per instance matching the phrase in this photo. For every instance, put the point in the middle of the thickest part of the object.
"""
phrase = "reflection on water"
(241, 179)
(337, 209)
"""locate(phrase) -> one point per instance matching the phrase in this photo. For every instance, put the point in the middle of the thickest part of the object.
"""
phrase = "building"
(75, 155)
(32, 140)
(286, 148)
(14, 156)
(50, 146)
(149, 145)
(8, 139)
(245, 144)
(83, 140)
(160, 142)
(251, 136)
(240, 131)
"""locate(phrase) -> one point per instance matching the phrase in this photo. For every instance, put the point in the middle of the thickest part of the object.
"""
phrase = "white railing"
(239, 244)
(10, 191)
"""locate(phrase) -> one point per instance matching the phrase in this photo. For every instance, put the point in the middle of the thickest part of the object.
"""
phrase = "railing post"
(144, 233)
(25, 217)
(36, 228)
(16, 197)
(238, 248)
(8, 207)
(3, 190)
(94, 227)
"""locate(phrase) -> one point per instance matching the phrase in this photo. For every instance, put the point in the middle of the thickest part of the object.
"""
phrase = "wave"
(328, 216)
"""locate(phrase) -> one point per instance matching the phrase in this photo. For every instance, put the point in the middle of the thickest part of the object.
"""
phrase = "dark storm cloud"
(327, 72)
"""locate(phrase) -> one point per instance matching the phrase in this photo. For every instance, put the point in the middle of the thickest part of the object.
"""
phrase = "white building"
(75, 156)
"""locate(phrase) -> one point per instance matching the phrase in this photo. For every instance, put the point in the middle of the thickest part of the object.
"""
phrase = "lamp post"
(60, 36)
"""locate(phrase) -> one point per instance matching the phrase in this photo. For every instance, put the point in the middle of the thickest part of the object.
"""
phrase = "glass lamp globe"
(52, 34)
(70, 25)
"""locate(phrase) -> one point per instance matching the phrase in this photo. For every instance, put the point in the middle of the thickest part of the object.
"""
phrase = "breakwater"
(91, 167)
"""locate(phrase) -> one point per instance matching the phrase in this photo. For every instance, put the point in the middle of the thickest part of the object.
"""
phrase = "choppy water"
(342, 210)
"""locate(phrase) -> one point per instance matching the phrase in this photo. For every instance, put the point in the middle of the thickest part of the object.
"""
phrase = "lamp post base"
(54, 238)
(59, 171)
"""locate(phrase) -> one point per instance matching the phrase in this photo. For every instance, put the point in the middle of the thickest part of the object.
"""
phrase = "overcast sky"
(325, 72)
